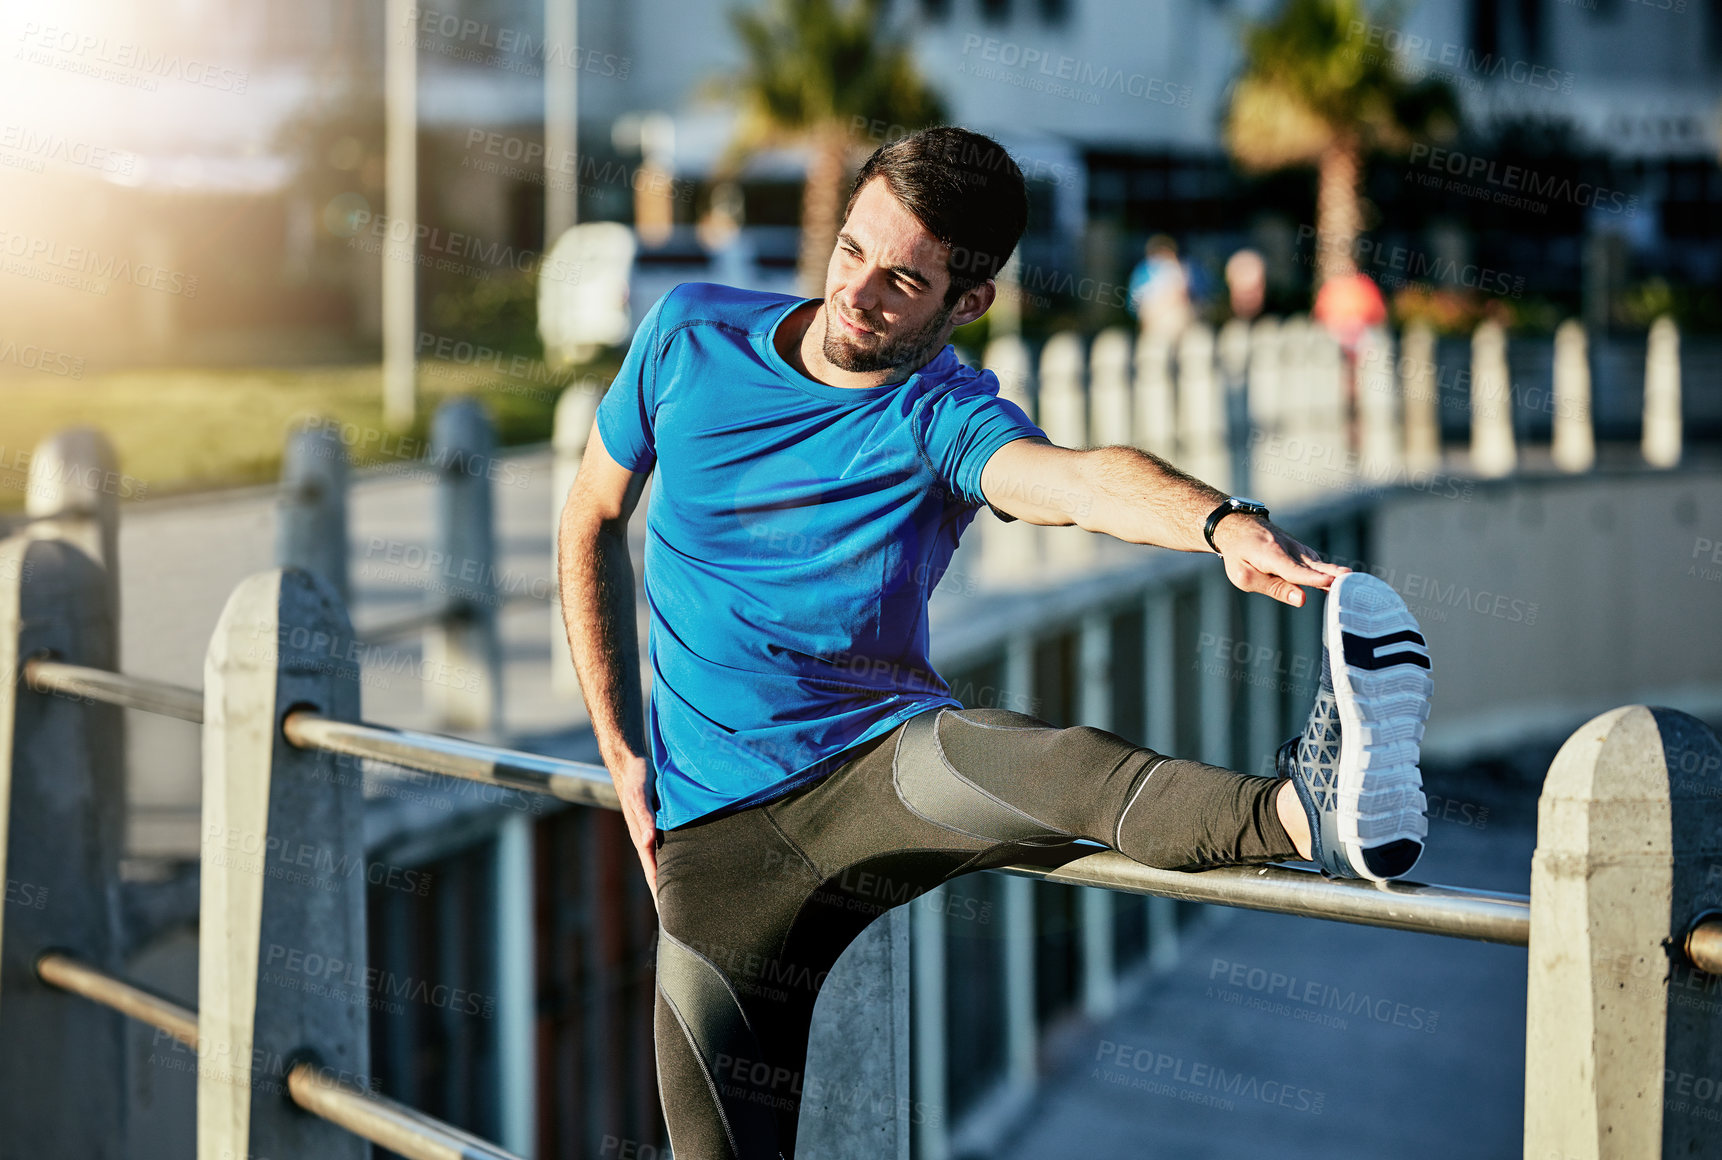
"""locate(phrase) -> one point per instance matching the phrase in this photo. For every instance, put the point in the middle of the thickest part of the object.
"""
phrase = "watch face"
(1252, 506)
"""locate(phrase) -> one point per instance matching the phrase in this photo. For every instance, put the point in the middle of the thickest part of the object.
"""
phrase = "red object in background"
(1349, 305)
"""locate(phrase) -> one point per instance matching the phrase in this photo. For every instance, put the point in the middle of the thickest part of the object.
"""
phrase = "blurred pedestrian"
(1246, 283)
(1160, 289)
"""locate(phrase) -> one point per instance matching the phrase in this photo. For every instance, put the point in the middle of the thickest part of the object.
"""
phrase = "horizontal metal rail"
(1453, 911)
(1456, 912)
(46, 675)
(438, 612)
(58, 969)
(376, 1118)
(571, 781)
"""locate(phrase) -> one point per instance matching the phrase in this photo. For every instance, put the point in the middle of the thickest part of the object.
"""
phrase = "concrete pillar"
(63, 1069)
(401, 200)
(1662, 432)
(1201, 409)
(73, 493)
(1099, 970)
(1377, 408)
(1156, 427)
(311, 506)
(860, 1043)
(1234, 362)
(576, 409)
(1493, 452)
(1064, 418)
(269, 991)
(1109, 418)
(1574, 443)
(1010, 552)
(463, 647)
(1618, 1062)
(1420, 387)
(1213, 682)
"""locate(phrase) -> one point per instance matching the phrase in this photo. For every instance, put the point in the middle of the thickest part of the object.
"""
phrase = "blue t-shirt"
(794, 533)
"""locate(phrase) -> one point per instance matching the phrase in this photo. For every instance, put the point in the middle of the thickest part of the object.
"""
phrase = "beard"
(881, 351)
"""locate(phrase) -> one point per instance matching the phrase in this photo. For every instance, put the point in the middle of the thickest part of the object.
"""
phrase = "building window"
(995, 11)
(1055, 11)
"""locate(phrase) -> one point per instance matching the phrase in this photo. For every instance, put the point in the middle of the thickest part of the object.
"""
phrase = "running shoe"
(1354, 768)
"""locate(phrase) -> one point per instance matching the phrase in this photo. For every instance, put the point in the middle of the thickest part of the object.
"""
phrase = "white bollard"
(1201, 409)
(1156, 427)
(1328, 407)
(1574, 442)
(1109, 417)
(1379, 449)
(576, 408)
(1064, 418)
(1493, 452)
(1420, 388)
(1010, 551)
(311, 506)
(1234, 352)
(1662, 432)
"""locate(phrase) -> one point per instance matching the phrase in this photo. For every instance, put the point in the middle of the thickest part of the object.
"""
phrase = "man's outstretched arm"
(1135, 496)
(595, 575)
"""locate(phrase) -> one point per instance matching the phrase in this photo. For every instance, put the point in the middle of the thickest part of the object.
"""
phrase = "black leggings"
(755, 906)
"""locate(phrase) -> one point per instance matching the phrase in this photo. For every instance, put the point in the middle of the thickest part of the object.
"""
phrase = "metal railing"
(1487, 916)
(377, 1118)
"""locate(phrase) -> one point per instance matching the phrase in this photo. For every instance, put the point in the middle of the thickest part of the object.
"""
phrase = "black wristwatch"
(1236, 503)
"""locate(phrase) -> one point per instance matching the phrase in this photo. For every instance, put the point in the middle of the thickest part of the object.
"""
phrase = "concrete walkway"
(1289, 1038)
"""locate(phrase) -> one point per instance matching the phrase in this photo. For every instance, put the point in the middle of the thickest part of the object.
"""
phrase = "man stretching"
(816, 462)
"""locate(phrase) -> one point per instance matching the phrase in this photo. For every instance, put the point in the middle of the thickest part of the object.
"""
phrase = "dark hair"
(964, 188)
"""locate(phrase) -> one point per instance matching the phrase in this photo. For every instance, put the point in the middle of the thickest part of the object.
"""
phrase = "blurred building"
(1589, 160)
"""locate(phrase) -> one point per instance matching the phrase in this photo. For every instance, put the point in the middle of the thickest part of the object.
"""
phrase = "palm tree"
(1314, 92)
(814, 69)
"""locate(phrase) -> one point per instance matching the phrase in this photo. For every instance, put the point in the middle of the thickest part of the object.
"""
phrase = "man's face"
(885, 287)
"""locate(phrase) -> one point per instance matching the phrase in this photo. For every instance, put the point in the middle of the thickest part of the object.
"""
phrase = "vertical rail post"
(1420, 386)
(1109, 419)
(63, 1069)
(401, 199)
(1159, 715)
(1623, 1055)
(311, 506)
(1017, 910)
(932, 1091)
(464, 645)
(1099, 966)
(1010, 552)
(281, 956)
(517, 1046)
(1064, 418)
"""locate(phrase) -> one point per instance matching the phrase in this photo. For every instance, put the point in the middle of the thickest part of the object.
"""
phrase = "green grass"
(194, 429)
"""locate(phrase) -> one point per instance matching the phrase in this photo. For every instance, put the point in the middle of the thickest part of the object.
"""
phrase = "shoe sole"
(1381, 680)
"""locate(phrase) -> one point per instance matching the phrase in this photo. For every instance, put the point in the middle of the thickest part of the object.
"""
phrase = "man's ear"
(974, 302)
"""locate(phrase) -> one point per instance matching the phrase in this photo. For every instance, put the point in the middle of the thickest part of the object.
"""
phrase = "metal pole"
(1099, 969)
(400, 179)
(561, 119)
(111, 688)
(1017, 912)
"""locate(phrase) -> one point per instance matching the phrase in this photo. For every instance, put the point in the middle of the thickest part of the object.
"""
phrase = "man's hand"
(1261, 558)
(631, 778)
